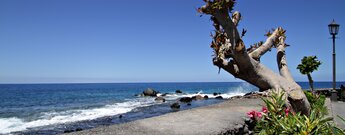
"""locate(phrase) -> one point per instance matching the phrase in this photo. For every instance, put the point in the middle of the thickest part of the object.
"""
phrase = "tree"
(308, 65)
(231, 55)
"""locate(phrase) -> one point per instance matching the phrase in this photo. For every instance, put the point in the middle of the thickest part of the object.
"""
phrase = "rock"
(198, 97)
(165, 94)
(185, 99)
(120, 116)
(205, 97)
(219, 97)
(254, 95)
(68, 131)
(236, 97)
(175, 106)
(250, 93)
(160, 99)
(150, 92)
(78, 129)
(189, 104)
(178, 91)
(245, 129)
(215, 94)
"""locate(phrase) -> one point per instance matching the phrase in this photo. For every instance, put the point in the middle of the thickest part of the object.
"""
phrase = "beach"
(212, 119)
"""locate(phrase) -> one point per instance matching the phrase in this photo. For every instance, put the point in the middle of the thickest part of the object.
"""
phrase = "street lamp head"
(333, 28)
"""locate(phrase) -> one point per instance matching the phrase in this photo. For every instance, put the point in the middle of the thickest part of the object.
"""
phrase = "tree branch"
(281, 60)
(230, 67)
(270, 41)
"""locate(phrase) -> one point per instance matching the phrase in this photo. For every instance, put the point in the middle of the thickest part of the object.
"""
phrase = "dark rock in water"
(198, 97)
(68, 131)
(215, 94)
(160, 99)
(189, 104)
(185, 99)
(120, 116)
(175, 106)
(219, 97)
(178, 91)
(205, 97)
(150, 92)
(79, 129)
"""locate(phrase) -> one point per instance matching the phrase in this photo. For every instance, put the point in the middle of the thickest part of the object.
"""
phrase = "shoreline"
(212, 119)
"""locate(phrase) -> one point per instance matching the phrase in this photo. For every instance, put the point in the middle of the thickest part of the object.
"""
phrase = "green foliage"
(278, 119)
(308, 64)
(317, 102)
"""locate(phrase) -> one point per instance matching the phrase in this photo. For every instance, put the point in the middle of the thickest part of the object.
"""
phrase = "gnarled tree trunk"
(232, 55)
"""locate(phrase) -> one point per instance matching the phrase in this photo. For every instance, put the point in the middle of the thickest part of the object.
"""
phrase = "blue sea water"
(55, 108)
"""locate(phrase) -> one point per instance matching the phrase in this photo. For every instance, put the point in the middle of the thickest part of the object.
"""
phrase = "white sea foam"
(238, 91)
(8, 125)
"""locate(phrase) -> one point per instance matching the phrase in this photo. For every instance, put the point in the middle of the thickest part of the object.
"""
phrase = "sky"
(91, 41)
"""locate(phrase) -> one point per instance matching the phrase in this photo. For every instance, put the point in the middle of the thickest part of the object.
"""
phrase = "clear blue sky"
(151, 40)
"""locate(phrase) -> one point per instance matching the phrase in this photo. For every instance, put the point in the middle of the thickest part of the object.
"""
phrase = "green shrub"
(317, 102)
(277, 118)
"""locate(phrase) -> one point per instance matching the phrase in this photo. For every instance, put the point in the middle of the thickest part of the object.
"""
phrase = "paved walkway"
(207, 120)
(338, 108)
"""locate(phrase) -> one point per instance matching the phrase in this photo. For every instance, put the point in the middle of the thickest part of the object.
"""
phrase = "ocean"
(57, 108)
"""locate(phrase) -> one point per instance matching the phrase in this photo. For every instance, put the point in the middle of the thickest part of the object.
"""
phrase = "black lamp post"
(333, 30)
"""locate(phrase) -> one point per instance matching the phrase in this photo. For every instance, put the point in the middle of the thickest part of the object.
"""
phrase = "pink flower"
(264, 109)
(259, 114)
(251, 114)
(254, 114)
(287, 110)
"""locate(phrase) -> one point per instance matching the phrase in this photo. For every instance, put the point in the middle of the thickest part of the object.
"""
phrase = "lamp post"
(333, 30)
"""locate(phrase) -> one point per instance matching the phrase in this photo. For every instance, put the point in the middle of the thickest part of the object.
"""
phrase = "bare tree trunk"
(311, 82)
(232, 55)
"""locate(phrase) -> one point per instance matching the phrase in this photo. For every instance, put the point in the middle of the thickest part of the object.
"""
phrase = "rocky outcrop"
(219, 97)
(150, 92)
(215, 94)
(175, 106)
(160, 99)
(198, 97)
(185, 99)
(178, 91)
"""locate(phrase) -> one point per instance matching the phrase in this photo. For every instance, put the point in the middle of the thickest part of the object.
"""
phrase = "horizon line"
(146, 82)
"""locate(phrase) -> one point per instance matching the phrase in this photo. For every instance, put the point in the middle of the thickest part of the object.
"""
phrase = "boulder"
(219, 97)
(198, 97)
(178, 91)
(160, 99)
(189, 104)
(205, 97)
(185, 99)
(175, 106)
(215, 94)
(78, 129)
(68, 131)
(150, 92)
